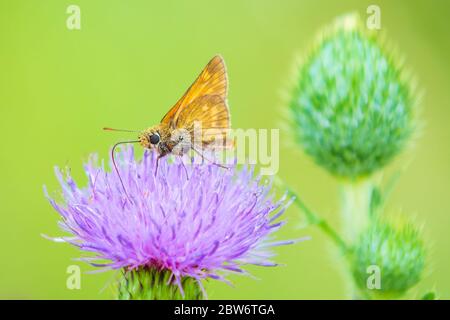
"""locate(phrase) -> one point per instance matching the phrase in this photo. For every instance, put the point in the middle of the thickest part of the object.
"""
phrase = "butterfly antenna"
(115, 165)
(120, 130)
(209, 160)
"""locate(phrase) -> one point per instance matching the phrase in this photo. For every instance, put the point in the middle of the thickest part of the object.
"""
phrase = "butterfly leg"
(185, 169)
(209, 160)
(157, 164)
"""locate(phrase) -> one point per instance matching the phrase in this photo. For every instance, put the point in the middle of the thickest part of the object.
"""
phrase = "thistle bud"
(388, 260)
(352, 107)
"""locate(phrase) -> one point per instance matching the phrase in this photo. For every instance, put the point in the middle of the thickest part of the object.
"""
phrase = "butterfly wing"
(211, 81)
(209, 115)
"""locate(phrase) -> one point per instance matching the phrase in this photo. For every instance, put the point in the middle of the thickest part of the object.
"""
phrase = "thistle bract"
(352, 109)
(197, 226)
(396, 253)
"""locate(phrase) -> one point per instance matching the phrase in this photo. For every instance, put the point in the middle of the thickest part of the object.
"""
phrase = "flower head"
(397, 250)
(191, 226)
(352, 108)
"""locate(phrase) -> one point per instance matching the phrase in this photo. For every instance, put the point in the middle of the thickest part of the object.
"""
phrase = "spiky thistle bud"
(352, 107)
(388, 259)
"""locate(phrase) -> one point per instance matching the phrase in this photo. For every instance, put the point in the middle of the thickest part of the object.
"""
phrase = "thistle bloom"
(169, 229)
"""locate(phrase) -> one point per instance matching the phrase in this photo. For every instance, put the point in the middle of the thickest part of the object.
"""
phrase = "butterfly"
(200, 119)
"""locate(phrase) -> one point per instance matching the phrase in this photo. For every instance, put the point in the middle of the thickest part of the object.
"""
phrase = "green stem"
(356, 213)
(322, 224)
(355, 204)
(316, 220)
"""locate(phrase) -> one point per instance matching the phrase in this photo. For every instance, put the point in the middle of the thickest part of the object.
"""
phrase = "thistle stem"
(355, 208)
(316, 220)
(355, 212)
(322, 224)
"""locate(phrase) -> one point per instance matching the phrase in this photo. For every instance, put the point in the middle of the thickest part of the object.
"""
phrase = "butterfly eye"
(154, 138)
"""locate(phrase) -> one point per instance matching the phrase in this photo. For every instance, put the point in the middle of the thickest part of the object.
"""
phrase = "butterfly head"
(150, 138)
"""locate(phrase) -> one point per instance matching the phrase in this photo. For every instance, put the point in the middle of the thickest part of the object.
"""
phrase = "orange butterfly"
(203, 106)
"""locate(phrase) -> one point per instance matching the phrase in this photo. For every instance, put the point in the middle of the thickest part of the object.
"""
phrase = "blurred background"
(132, 60)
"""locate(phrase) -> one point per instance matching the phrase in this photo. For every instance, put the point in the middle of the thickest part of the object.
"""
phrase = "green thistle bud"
(396, 255)
(352, 109)
(153, 284)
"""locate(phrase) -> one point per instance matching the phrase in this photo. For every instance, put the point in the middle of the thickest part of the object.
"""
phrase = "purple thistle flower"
(200, 226)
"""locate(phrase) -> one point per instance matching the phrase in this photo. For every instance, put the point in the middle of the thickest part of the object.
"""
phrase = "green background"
(132, 60)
